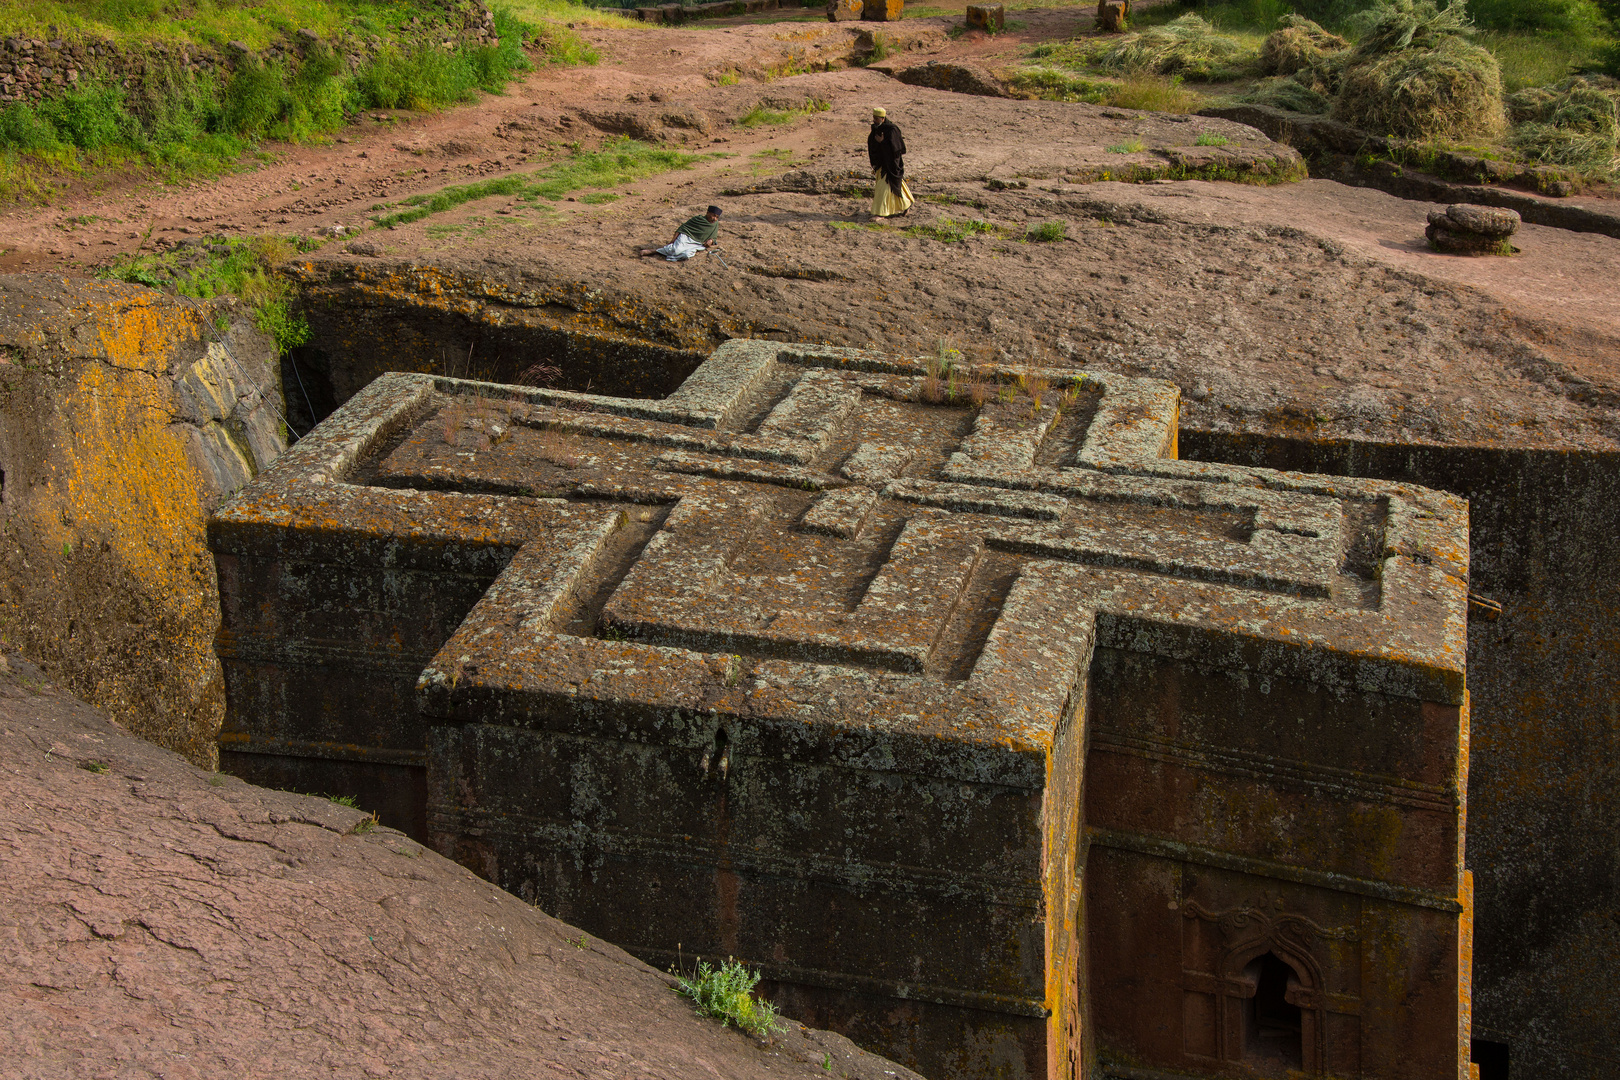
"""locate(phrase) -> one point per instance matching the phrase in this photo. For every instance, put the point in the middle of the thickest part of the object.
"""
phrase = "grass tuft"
(1209, 138)
(1047, 232)
(763, 113)
(951, 231)
(1129, 146)
(620, 161)
(726, 994)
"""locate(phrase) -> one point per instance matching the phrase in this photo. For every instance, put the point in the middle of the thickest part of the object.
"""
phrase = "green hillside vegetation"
(177, 123)
(1526, 79)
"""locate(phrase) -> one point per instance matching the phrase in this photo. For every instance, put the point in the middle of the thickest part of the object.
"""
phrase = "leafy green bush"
(726, 994)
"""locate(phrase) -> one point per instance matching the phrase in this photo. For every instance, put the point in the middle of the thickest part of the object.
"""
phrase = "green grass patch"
(1129, 146)
(174, 123)
(762, 114)
(1209, 138)
(621, 161)
(872, 225)
(726, 994)
(235, 267)
(600, 198)
(1047, 232)
(1539, 59)
(950, 230)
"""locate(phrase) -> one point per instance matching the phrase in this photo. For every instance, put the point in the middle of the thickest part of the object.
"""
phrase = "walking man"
(696, 234)
(887, 150)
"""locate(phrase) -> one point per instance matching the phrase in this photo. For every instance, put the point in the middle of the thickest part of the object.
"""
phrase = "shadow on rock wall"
(125, 417)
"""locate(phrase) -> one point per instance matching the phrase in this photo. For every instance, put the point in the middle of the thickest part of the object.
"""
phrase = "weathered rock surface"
(1472, 230)
(125, 417)
(987, 17)
(844, 10)
(160, 920)
(959, 78)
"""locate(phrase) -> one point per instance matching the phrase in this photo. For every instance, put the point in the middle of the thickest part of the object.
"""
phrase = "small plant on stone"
(365, 825)
(97, 767)
(1047, 232)
(217, 780)
(1209, 138)
(345, 800)
(726, 994)
(1129, 146)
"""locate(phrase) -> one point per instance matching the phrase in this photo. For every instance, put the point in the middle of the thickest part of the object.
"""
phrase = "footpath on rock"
(1296, 305)
(157, 919)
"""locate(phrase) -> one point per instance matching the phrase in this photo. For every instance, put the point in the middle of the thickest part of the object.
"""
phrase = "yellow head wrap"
(879, 114)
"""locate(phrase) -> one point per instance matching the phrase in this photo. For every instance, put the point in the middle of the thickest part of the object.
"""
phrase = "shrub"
(726, 994)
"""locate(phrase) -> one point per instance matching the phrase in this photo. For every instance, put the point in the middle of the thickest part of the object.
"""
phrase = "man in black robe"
(886, 149)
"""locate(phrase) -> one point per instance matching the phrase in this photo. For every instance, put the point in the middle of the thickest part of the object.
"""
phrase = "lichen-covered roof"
(860, 554)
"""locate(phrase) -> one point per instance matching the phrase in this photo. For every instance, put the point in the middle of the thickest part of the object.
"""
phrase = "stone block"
(987, 17)
(844, 10)
(883, 10)
(815, 664)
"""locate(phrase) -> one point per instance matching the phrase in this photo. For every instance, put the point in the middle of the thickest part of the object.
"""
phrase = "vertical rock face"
(125, 417)
(997, 737)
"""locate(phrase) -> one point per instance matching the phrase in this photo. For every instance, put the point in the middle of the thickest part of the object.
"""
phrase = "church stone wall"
(922, 694)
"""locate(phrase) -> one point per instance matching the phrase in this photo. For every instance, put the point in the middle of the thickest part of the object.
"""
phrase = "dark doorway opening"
(1491, 1057)
(1274, 1036)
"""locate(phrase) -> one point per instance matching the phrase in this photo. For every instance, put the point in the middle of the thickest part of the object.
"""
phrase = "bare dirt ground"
(1307, 308)
(157, 920)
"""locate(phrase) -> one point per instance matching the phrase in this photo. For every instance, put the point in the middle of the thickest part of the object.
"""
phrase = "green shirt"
(700, 228)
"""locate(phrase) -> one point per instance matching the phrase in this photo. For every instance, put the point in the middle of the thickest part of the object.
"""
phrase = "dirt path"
(1309, 306)
(159, 920)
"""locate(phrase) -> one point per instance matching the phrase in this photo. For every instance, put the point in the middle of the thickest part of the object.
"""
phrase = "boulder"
(1113, 16)
(883, 10)
(844, 10)
(960, 78)
(987, 17)
(1472, 230)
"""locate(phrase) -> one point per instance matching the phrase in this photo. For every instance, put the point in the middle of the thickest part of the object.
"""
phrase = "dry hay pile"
(1575, 123)
(1307, 66)
(1301, 45)
(1412, 75)
(1189, 47)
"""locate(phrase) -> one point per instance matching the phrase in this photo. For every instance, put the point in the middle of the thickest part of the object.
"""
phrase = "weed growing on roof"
(726, 994)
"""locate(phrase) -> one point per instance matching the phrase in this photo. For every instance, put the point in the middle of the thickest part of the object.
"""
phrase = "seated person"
(695, 234)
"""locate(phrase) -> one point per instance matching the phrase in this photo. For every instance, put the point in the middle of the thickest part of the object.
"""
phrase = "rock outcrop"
(1472, 230)
(165, 921)
(125, 416)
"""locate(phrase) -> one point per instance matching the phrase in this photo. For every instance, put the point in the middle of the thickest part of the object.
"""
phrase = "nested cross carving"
(799, 508)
